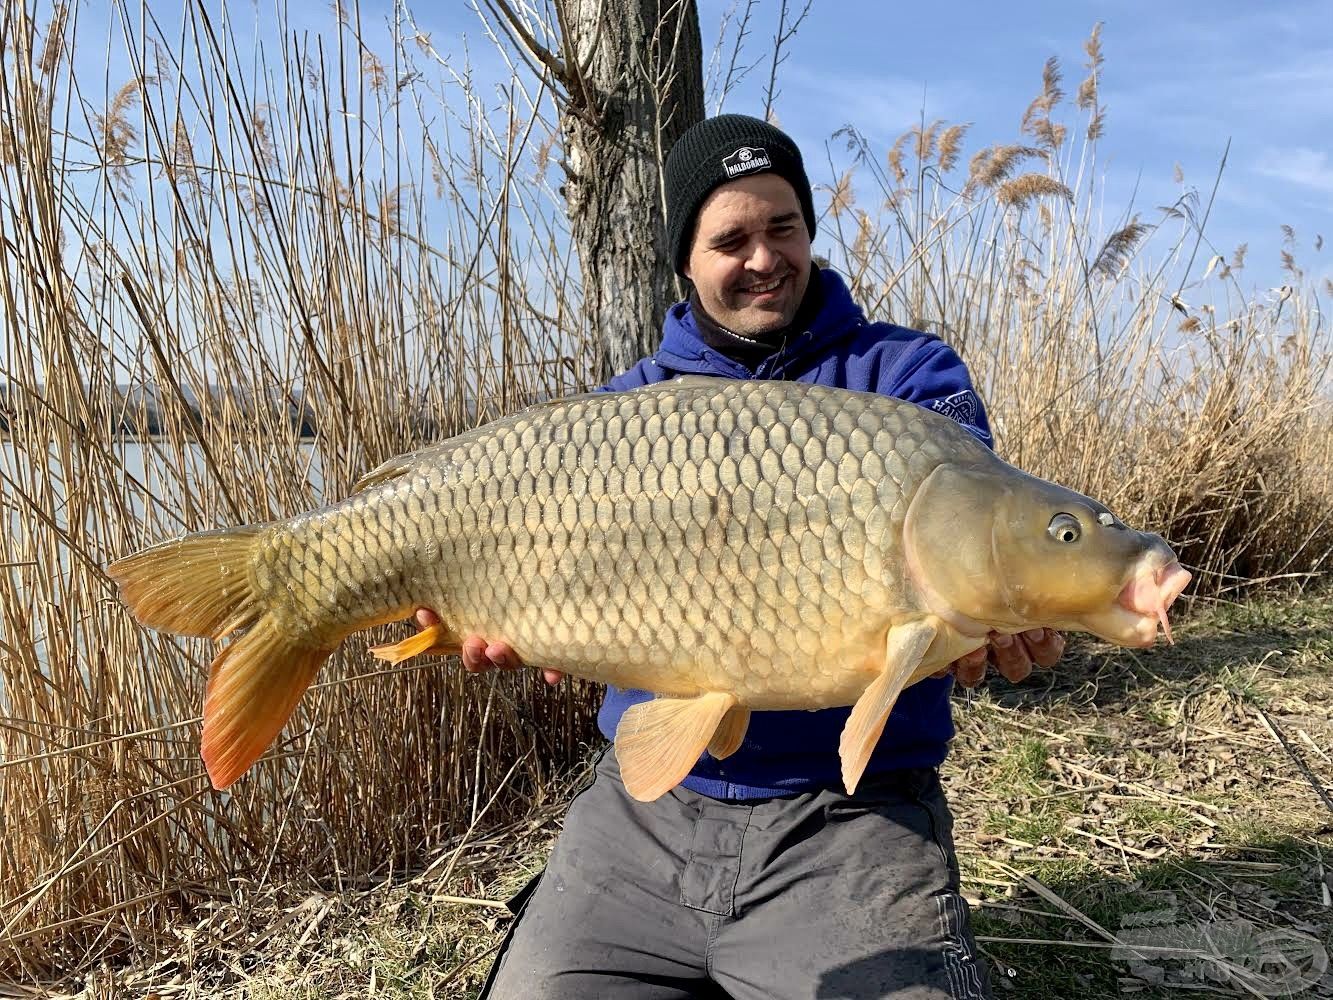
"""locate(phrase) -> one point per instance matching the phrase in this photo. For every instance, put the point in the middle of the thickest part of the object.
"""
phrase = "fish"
(728, 545)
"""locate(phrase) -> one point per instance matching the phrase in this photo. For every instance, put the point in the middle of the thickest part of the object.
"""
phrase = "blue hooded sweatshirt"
(788, 752)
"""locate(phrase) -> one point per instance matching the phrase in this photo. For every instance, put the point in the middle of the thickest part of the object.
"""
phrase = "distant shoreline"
(150, 438)
(140, 412)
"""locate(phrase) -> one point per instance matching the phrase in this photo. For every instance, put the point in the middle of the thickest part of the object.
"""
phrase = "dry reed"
(256, 252)
(1133, 365)
(260, 250)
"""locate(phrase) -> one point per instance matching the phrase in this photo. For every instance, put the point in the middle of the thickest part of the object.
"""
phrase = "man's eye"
(783, 231)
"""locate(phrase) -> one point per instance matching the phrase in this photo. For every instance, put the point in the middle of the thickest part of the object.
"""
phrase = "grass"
(1178, 843)
(366, 241)
(1199, 811)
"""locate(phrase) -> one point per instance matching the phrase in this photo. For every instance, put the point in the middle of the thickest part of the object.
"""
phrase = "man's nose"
(762, 256)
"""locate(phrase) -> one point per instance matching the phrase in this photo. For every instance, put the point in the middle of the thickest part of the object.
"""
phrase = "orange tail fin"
(201, 585)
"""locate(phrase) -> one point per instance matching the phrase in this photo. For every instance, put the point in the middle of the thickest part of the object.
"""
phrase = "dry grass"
(270, 262)
(1121, 792)
(1125, 360)
(1111, 795)
(356, 241)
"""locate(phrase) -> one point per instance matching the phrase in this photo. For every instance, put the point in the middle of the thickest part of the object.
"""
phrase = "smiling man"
(750, 265)
(758, 878)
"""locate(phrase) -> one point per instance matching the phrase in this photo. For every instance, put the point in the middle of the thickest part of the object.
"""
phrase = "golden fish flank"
(729, 545)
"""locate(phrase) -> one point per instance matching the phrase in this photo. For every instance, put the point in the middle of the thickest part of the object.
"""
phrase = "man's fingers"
(500, 655)
(1011, 657)
(426, 618)
(969, 665)
(1045, 646)
(970, 674)
(972, 660)
(552, 676)
(478, 655)
(474, 654)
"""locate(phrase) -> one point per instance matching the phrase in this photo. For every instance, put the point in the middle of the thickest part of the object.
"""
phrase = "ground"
(1178, 798)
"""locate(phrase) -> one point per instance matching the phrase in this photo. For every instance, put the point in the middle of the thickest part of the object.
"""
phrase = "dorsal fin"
(401, 465)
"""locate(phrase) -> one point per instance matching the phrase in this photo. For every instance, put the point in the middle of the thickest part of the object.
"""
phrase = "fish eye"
(1064, 528)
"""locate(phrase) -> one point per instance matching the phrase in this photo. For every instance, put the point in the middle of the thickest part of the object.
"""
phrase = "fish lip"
(1151, 591)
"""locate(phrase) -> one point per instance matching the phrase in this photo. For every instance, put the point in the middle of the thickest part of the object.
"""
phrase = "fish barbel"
(727, 545)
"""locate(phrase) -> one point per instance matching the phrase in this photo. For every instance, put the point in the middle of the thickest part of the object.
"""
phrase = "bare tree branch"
(520, 35)
(735, 76)
(780, 41)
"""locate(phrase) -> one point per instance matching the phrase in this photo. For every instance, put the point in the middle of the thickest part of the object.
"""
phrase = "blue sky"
(1180, 80)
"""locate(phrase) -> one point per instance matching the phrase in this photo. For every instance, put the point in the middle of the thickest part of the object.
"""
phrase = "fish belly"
(709, 535)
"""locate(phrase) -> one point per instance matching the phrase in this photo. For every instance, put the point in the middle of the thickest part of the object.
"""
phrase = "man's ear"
(689, 250)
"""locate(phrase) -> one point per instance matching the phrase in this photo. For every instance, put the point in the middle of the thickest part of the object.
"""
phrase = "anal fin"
(730, 732)
(434, 639)
(659, 741)
(905, 647)
(253, 687)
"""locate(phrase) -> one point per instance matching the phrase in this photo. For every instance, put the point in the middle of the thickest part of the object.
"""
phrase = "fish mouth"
(1147, 597)
(1139, 610)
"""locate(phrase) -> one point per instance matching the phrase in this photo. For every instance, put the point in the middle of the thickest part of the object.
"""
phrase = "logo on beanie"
(745, 160)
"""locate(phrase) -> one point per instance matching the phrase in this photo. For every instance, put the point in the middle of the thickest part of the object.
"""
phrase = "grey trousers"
(817, 895)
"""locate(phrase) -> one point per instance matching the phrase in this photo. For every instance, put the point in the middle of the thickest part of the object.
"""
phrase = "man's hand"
(1013, 655)
(479, 655)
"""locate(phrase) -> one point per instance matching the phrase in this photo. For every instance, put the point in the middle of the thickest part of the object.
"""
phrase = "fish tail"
(202, 585)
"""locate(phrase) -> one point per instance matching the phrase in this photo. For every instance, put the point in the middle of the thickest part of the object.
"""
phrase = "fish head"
(1003, 549)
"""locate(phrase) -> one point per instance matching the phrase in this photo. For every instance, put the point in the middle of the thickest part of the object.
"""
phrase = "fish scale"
(736, 532)
(728, 545)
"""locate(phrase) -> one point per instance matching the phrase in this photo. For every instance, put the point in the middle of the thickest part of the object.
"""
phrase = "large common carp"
(728, 545)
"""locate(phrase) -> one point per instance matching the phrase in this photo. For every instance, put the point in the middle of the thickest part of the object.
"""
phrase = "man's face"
(750, 259)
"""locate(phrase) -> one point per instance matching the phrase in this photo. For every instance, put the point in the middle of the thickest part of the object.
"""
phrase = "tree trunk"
(628, 103)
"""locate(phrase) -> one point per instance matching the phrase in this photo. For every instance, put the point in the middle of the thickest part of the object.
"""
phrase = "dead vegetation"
(343, 255)
(1187, 790)
(1117, 801)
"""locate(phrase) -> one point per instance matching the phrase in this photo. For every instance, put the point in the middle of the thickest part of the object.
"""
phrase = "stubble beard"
(754, 320)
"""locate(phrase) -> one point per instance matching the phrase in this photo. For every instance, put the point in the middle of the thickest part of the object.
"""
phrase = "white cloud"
(881, 107)
(1299, 165)
(1312, 73)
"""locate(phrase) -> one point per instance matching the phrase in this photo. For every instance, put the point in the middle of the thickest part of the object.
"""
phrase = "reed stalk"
(307, 260)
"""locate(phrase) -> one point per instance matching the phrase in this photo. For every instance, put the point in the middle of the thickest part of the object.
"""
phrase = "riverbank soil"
(1179, 800)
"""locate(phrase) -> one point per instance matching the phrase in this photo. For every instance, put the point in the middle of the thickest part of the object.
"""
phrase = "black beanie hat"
(718, 150)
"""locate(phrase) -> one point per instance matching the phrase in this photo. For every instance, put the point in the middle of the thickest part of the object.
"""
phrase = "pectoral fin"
(906, 645)
(658, 741)
(434, 639)
(730, 731)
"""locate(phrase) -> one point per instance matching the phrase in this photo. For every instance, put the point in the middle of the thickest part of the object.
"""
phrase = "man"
(759, 878)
